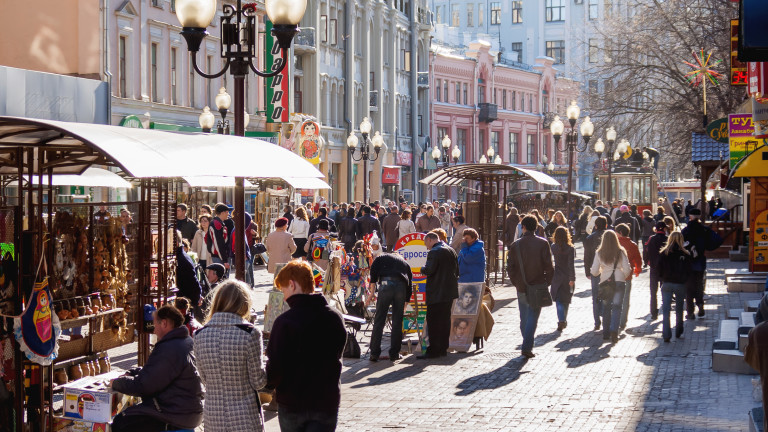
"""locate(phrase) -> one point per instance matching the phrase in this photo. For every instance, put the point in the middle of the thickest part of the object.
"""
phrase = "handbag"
(538, 295)
(352, 347)
(607, 288)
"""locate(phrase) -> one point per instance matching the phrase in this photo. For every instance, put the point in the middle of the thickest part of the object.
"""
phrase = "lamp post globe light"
(239, 44)
(557, 128)
(206, 119)
(482, 159)
(612, 154)
(363, 153)
(446, 154)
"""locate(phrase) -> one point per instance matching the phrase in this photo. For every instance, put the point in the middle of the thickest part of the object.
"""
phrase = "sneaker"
(614, 337)
(597, 326)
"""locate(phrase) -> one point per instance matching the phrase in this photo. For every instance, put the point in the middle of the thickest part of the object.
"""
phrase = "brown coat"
(389, 228)
(536, 259)
(756, 355)
(427, 224)
(280, 246)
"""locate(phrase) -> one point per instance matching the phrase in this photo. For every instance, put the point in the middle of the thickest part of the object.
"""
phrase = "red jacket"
(633, 253)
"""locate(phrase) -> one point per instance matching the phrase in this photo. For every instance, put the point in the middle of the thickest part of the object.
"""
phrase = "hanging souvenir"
(37, 329)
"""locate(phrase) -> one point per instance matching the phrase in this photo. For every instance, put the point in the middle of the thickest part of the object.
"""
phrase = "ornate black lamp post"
(239, 44)
(364, 152)
(571, 140)
(447, 153)
(612, 154)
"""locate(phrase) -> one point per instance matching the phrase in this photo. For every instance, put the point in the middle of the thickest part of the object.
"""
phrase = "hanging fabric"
(37, 329)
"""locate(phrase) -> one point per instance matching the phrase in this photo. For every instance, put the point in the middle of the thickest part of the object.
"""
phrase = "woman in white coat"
(405, 225)
(611, 260)
(299, 228)
(198, 242)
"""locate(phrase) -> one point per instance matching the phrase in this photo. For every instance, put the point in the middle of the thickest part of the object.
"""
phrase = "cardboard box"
(89, 398)
(62, 424)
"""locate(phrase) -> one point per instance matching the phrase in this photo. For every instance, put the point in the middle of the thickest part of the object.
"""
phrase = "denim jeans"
(625, 304)
(391, 293)
(597, 305)
(612, 311)
(654, 293)
(529, 319)
(249, 271)
(695, 291)
(298, 420)
(562, 311)
(668, 289)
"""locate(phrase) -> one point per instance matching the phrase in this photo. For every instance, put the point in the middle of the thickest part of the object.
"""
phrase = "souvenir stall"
(487, 185)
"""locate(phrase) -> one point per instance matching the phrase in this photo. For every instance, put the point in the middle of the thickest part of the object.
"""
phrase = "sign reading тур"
(741, 136)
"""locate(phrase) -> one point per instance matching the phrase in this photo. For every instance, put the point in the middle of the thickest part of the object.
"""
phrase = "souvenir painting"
(309, 142)
(469, 299)
(462, 332)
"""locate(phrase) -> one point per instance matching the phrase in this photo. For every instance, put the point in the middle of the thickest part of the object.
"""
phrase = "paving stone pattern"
(576, 381)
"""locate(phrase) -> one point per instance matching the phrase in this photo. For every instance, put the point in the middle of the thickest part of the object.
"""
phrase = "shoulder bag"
(607, 288)
(537, 295)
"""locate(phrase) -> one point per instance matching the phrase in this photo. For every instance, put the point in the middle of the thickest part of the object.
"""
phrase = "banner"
(413, 250)
(760, 240)
(740, 135)
(718, 130)
(309, 142)
(278, 106)
(390, 175)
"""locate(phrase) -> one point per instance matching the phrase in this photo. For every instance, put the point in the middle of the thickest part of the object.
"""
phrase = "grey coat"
(229, 358)
(565, 272)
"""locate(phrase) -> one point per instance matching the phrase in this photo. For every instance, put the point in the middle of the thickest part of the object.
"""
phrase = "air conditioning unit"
(373, 100)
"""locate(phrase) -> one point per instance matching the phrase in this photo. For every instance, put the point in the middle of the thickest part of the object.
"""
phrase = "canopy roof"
(576, 194)
(147, 152)
(214, 181)
(307, 183)
(754, 164)
(454, 175)
(96, 177)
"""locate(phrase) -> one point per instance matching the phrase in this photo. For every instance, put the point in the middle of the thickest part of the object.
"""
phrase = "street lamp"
(206, 120)
(455, 154)
(571, 140)
(239, 46)
(364, 152)
(447, 154)
(612, 154)
(482, 159)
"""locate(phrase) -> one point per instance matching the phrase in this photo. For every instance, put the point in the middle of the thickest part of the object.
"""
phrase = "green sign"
(131, 121)
(278, 106)
(718, 130)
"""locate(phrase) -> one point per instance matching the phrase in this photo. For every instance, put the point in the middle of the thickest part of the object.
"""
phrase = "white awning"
(145, 153)
(92, 177)
(307, 183)
(456, 174)
(214, 181)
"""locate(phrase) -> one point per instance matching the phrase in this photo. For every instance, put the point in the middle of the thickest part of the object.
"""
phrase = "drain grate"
(502, 355)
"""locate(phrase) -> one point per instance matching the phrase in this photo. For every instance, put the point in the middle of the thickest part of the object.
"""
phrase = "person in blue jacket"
(471, 258)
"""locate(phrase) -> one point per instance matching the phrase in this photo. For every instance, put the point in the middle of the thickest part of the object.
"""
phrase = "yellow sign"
(760, 239)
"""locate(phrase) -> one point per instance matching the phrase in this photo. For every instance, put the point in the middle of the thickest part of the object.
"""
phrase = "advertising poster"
(760, 240)
(277, 86)
(740, 134)
(412, 248)
(309, 142)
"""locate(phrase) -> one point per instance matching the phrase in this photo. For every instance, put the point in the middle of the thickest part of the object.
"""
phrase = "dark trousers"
(131, 423)
(297, 420)
(391, 292)
(438, 327)
(654, 293)
(694, 291)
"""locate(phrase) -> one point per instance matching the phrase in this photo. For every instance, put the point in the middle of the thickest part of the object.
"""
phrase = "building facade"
(481, 103)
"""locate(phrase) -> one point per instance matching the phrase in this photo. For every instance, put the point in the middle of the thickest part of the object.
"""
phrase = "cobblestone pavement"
(576, 381)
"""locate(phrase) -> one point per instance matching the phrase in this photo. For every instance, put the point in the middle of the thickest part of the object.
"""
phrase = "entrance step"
(756, 419)
(737, 256)
(727, 336)
(733, 314)
(731, 361)
(740, 283)
(751, 306)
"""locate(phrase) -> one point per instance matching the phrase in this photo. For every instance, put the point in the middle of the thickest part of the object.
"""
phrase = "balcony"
(548, 117)
(304, 41)
(422, 79)
(373, 100)
(488, 112)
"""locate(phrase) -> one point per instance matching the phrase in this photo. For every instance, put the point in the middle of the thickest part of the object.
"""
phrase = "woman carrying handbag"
(674, 270)
(612, 266)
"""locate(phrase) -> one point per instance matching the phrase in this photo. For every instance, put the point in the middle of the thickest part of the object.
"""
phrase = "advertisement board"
(413, 250)
(278, 106)
(740, 136)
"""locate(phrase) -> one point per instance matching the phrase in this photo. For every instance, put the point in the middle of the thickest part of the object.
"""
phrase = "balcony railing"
(422, 79)
(488, 112)
(305, 39)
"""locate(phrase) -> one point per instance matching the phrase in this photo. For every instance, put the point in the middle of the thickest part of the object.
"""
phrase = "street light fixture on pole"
(364, 152)
(206, 120)
(447, 154)
(571, 140)
(239, 44)
(612, 155)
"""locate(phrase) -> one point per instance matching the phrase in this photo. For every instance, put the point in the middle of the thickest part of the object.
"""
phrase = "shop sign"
(277, 86)
(760, 242)
(738, 69)
(413, 250)
(390, 175)
(740, 135)
(718, 130)
(309, 142)
(131, 121)
(403, 158)
(758, 78)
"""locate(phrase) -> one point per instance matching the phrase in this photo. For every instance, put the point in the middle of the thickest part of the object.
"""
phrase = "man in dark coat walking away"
(389, 229)
(651, 253)
(627, 218)
(393, 278)
(321, 214)
(591, 243)
(698, 240)
(169, 385)
(442, 271)
(368, 224)
(532, 255)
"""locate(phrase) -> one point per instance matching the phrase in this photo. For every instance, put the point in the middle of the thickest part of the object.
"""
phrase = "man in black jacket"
(304, 354)
(698, 239)
(394, 278)
(529, 263)
(591, 243)
(322, 213)
(627, 218)
(185, 225)
(442, 271)
(651, 256)
(169, 385)
(367, 223)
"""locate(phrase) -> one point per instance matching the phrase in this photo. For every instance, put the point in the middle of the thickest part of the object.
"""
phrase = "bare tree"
(645, 94)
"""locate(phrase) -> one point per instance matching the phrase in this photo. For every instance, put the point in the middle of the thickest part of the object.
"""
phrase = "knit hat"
(623, 209)
(281, 222)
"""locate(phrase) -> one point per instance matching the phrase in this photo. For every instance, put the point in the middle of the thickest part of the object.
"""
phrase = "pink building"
(480, 103)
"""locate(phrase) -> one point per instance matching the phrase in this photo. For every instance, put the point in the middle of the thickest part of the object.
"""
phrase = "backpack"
(320, 248)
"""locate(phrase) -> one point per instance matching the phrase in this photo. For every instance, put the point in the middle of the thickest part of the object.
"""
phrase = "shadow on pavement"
(406, 368)
(593, 354)
(494, 379)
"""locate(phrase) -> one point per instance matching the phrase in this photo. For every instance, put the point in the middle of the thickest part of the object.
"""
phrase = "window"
(607, 9)
(593, 50)
(556, 50)
(608, 51)
(554, 10)
(495, 13)
(122, 86)
(517, 47)
(209, 94)
(495, 98)
(480, 94)
(513, 143)
(531, 149)
(464, 89)
(544, 101)
(480, 14)
(517, 12)
(439, 15)
(458, 93)
(504, 99)
(155, 3)
(438, 92)
(445, 90)
(470, 13)
(297, 94)
(333, 32)
(495, 141)
(173, 6)
(153, 70)
(174, 101)
(461, 143)
(191, 83)
(323, 28)
(513, 102)
(592, 89)
(481, 142)
(455, 19)
(530, 102)
(593, 10)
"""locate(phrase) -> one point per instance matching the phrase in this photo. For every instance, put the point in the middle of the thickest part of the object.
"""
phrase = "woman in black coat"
(348, 228)
(674, 271)
(564, 277)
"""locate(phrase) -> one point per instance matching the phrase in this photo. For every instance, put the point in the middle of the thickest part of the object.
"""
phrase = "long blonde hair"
(675, 238)
(231, 296)
(610, 250)
(587, 212)
(561, 216)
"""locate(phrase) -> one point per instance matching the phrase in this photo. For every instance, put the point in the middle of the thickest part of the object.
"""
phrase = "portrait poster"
(275, 306)
(470, 296)
(462, 332)
(309, 142)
